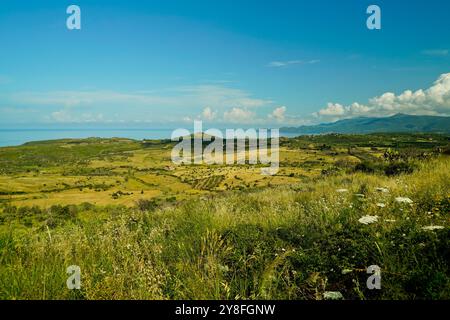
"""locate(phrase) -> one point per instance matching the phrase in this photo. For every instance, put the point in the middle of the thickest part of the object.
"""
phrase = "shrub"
(366, 167)
(398, 167)
(146, 205)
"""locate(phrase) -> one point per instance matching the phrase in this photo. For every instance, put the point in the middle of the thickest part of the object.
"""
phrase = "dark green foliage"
(146, 205)
(398, 167)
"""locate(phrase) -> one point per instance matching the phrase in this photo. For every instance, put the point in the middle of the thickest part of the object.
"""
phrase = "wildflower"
(359, 195)
(389, 220)
(381, 205)
(384, 190)
(342, 190)
(332, 295)
(368, 219)
(431, 228)
(224, 268)
(403, 200)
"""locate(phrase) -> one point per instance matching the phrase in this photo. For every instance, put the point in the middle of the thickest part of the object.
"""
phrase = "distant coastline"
(17, 136)
(14, 137)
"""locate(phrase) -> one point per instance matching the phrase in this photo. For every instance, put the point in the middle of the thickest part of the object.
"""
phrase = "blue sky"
(166, 63)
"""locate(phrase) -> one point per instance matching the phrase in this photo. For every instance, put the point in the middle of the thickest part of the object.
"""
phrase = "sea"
(15, 137)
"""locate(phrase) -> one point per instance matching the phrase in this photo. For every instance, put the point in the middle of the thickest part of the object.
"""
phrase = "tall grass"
(291, 242)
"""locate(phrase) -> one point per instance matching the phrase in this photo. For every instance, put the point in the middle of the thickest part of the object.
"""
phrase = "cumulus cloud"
(432, 101)
(278, 114)
(247, 116)
(208, 114)
(333, 110)
(238, 115)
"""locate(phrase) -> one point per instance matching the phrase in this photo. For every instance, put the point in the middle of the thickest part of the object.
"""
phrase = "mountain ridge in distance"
(396, 123)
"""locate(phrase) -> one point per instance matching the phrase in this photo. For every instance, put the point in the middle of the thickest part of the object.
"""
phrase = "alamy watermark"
(74, 279)
(373, 22)
(73, 22)
(374, 281)
(236, 146)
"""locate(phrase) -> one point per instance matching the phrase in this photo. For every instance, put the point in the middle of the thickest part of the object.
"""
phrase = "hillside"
(287, 242)
(395, 123)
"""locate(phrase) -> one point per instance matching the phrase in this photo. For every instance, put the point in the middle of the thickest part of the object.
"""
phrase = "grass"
(284, 237)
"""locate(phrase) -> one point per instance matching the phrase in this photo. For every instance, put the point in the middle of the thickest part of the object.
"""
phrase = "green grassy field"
(140, 227)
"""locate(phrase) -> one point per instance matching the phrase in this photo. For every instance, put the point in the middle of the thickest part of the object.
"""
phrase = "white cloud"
(72, 99)
(61, 116)
(216, 96)
(238, 115)
(208, 114)
(436, 52)
(432, 101)
(332, 109)
(278, 114)
(279, 64)
(164, 105)
(66, 116)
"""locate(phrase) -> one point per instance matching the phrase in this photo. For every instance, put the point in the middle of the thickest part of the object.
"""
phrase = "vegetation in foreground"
(292, 241)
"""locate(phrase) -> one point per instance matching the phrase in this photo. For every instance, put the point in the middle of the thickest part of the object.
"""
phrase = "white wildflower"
(390, 220)
(332, 295)
(384, 190)
(431, 228)
(368, 219)
(342, 190)
(224, 268)
(381, 205)
(403, 200)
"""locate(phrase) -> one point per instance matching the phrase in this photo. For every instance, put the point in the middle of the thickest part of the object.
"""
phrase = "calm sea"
(15, 137)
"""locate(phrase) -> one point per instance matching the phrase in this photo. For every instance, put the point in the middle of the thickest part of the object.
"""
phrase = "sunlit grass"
(285, 242)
